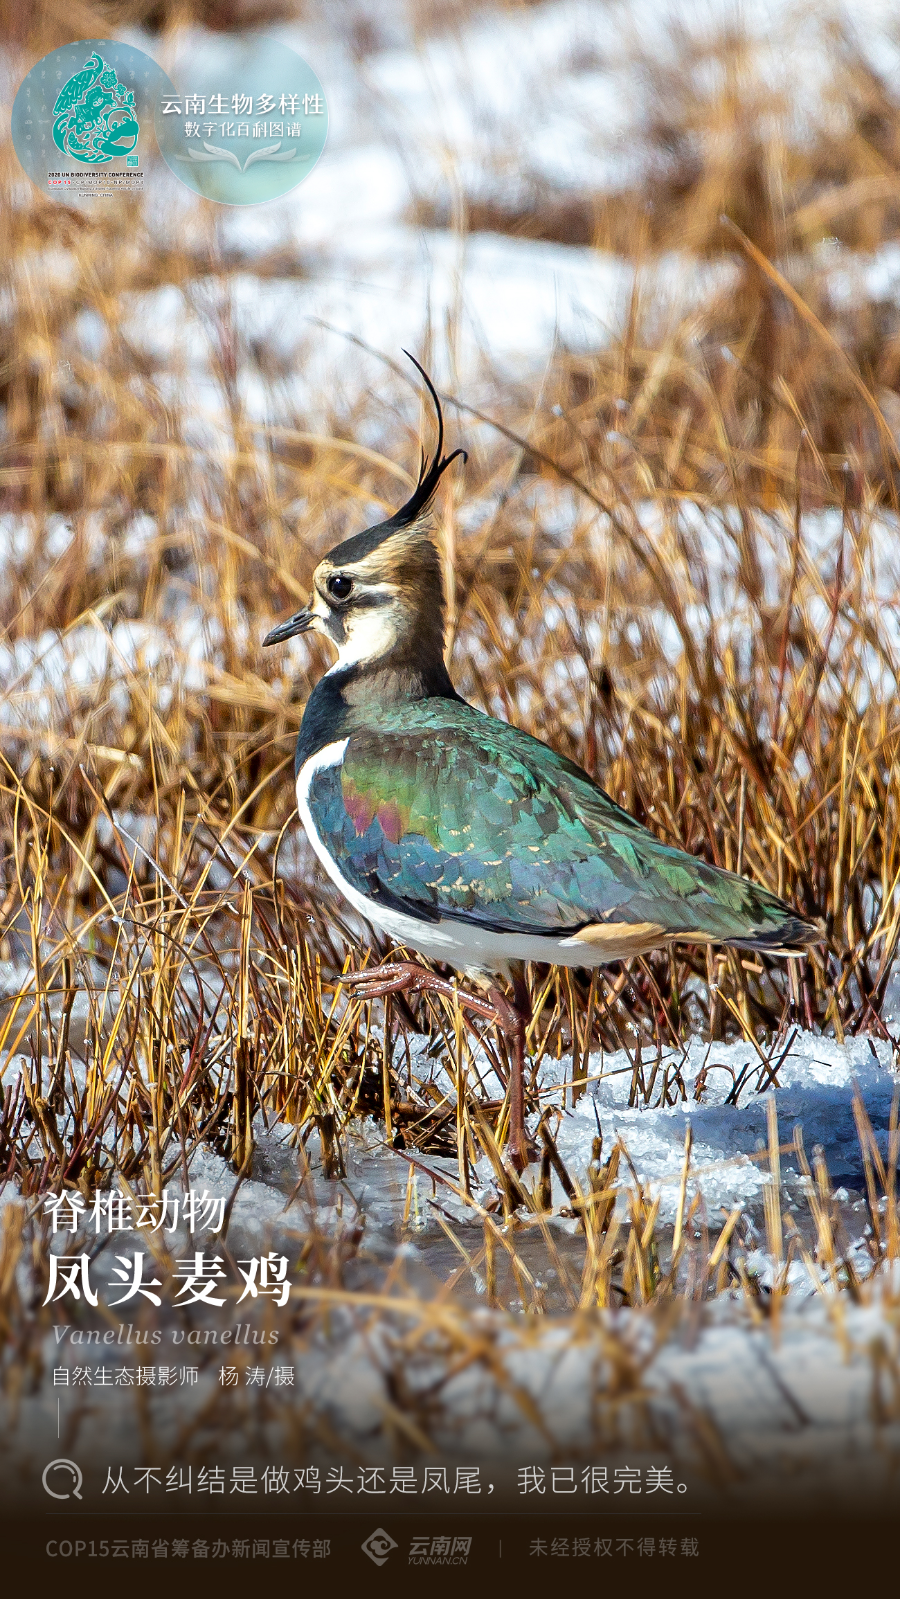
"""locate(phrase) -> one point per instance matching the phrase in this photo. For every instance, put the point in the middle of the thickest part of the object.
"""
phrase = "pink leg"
(512, 1016)
(515, 1025)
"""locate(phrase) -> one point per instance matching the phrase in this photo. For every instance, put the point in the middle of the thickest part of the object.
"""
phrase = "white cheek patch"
(369, 634)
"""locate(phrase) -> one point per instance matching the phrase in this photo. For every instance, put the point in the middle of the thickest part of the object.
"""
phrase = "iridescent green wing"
(442, 811)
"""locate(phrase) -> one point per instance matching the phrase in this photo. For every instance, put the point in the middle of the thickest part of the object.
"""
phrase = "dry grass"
(176, 946)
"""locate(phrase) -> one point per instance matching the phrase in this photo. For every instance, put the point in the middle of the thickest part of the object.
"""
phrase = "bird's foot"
(406, 977)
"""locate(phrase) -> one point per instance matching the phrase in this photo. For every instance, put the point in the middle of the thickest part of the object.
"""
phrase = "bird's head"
(379, 595)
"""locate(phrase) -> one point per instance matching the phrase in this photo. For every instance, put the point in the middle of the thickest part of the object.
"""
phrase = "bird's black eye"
(340, 585)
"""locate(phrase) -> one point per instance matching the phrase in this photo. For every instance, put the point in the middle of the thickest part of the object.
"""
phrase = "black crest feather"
(430, 474)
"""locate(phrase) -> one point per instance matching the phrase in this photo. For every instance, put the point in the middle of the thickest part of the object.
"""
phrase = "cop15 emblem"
(94, 116)
(78, 116)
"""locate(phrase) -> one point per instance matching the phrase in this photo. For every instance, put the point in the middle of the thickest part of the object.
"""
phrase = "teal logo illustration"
(94, 116)
(82, 114)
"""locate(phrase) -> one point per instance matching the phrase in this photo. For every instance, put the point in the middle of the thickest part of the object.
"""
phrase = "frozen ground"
(796, 1403)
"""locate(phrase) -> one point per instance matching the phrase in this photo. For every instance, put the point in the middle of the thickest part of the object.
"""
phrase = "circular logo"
(82, 117)
(247, 122)
(66, 1474)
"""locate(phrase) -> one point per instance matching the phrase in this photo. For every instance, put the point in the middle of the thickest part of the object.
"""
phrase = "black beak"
(294, 624)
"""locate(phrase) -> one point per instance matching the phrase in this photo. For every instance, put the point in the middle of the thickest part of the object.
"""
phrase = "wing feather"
(444, 812)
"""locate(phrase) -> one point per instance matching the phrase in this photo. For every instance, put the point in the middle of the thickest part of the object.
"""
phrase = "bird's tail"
(732, 910)
(793, 936)
(741, 914)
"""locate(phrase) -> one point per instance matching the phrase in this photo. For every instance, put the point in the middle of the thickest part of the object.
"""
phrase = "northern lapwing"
(462, 837)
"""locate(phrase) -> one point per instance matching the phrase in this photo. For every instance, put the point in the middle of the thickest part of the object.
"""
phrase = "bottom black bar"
(171, 1553)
